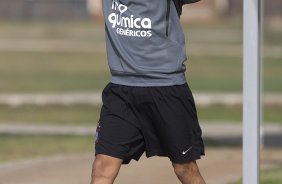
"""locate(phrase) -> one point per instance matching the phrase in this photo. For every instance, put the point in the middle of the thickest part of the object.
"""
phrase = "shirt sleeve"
(179, 3)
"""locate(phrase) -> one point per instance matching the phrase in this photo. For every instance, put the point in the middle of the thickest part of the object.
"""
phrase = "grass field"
(273, 176)
(89, 115)
(50, 57)
(78, 70)
(59, 72)
(35, 72)
(23, 147)
(61, 115)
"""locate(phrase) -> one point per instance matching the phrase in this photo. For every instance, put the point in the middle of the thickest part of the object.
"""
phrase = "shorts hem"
(125, 159)
(188, 159)
(156, 153)
(111, 155)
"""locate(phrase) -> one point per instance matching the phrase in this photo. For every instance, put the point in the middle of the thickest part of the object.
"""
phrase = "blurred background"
(53, 68)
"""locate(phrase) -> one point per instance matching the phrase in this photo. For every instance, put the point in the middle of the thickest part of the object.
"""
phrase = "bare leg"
(105, 169)
(188, 173)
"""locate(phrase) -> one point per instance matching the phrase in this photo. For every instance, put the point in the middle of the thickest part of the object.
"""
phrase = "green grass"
(48, 72)
(273, 176)
(60, 72)
(234, 114)
(23, 147)
(93, 30)
(63, 115)
(89, 115)
(225, 74)
(214, 73)
(88, 31)
(33, 71)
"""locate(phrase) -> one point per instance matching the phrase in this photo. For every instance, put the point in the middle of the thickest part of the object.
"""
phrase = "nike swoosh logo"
(184, 152)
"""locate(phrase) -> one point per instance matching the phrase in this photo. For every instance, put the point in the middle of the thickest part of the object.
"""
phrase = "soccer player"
(147, 106)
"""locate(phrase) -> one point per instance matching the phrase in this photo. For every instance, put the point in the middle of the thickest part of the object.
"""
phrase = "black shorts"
(157, 120)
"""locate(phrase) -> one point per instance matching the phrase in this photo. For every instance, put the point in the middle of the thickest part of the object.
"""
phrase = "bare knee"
(188, 173)
(105, 169)
(189, 168)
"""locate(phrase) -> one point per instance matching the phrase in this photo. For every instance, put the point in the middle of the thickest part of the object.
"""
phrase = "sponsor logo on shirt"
(129, 25)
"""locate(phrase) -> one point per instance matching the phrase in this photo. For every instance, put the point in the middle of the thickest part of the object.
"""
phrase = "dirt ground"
(219, 166)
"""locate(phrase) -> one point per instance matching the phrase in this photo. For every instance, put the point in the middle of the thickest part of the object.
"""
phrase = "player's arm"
(180, 3)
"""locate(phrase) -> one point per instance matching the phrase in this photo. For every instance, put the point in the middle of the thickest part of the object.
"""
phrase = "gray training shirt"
(145, 42)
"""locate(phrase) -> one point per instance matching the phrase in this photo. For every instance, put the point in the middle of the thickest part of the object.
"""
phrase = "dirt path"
(220, 166)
